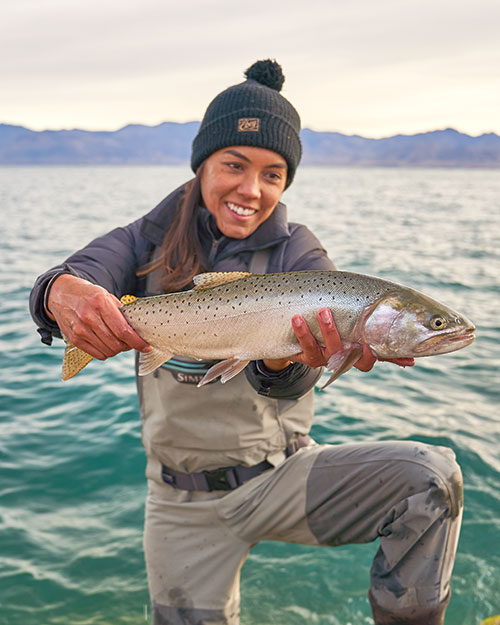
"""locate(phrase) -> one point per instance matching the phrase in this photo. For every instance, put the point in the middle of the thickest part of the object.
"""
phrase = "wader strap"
(226, 478)
(259, 261)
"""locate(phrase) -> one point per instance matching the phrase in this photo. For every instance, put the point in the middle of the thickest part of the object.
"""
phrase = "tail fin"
(75, 359)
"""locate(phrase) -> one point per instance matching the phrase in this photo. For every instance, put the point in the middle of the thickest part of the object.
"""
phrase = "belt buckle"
(222, 479)
(167, 477)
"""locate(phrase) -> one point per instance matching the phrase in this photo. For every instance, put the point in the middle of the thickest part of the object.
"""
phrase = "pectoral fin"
(150, 361)
(226, 369)
(342, 361)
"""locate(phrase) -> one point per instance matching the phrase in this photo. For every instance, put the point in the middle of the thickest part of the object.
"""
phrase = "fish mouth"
(445, 343)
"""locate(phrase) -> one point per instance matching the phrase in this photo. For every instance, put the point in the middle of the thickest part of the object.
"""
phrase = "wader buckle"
(225, 478)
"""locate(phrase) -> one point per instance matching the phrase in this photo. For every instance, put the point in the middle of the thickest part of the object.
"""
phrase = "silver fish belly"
(242, 317)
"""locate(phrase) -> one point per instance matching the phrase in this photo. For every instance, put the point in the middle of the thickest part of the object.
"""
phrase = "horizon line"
(353, 134)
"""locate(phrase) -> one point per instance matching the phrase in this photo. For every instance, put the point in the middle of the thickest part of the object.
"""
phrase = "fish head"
(408, 324)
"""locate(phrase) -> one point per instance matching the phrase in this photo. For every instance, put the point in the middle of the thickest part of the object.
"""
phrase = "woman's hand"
(316, 355)
(89, 317)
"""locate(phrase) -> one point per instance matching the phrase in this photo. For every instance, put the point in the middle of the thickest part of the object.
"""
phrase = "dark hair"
(180, 256)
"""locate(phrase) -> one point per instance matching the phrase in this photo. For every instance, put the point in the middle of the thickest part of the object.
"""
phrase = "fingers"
(90, 318)
(120, 330)
(331, 337)
(367, 360)
(311, 353)
(105, 330)
(314, 354)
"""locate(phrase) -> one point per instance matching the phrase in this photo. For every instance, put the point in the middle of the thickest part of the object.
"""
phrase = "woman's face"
(241, 187)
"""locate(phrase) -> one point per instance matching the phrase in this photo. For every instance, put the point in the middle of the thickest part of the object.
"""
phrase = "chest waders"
(186, 429)
(215, 444)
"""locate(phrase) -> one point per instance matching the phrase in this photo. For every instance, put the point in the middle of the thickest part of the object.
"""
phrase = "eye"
(437, 322)
(234, 165)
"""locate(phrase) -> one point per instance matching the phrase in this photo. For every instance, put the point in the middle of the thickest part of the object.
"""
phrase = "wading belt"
(226, 478)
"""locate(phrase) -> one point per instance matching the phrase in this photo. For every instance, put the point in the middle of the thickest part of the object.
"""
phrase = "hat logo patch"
(248, 124)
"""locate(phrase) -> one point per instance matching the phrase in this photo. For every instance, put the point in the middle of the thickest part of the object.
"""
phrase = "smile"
(240, 210)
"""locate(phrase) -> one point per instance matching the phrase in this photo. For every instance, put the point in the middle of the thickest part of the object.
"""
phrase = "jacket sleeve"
(111, 261)
(303, 252)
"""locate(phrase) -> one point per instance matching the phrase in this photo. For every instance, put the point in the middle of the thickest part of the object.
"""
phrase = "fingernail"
(325, 316)
(297, 321)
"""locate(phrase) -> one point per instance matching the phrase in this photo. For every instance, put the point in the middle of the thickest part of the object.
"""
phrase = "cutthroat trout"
(237, 317)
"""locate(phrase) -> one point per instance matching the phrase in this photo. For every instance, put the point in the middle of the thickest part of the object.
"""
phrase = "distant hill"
(170, 144)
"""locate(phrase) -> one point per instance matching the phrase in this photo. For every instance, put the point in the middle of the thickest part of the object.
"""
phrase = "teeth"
(239, 210)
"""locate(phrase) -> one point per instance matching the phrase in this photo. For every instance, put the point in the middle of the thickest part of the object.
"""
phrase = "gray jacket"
(112, 262)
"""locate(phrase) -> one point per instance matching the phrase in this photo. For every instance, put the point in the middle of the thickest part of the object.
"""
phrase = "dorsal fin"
(215, 278)
(128, 299)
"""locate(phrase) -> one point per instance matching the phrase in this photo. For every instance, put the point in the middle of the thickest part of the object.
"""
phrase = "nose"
(249, 186)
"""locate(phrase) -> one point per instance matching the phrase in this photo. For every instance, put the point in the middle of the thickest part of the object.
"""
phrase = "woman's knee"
(438, 473)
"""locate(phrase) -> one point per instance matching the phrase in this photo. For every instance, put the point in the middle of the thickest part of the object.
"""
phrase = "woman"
(230, 465)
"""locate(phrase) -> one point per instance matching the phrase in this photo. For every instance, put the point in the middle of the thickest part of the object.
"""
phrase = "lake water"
(72, 482)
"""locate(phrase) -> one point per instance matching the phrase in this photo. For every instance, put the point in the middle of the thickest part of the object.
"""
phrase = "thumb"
(367, 360)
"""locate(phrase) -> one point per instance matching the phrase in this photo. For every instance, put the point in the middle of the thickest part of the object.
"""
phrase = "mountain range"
(169, 143)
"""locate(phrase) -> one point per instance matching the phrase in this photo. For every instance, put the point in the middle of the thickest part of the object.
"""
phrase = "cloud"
(350, 66)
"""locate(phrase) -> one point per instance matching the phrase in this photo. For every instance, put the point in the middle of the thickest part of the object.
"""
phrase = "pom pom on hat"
(267, 73)
(252, 113)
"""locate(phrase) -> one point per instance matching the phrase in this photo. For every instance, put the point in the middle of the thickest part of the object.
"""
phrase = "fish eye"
(437, 322)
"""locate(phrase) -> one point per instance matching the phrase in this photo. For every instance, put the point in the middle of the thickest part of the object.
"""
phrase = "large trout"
(237, 317)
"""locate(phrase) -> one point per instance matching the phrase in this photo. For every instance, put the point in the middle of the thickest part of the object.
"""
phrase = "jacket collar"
(272, 231)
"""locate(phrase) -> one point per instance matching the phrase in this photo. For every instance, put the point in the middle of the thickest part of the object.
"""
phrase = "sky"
(369, 67)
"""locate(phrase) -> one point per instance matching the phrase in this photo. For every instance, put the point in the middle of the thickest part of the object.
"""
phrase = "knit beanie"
(252, 113)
